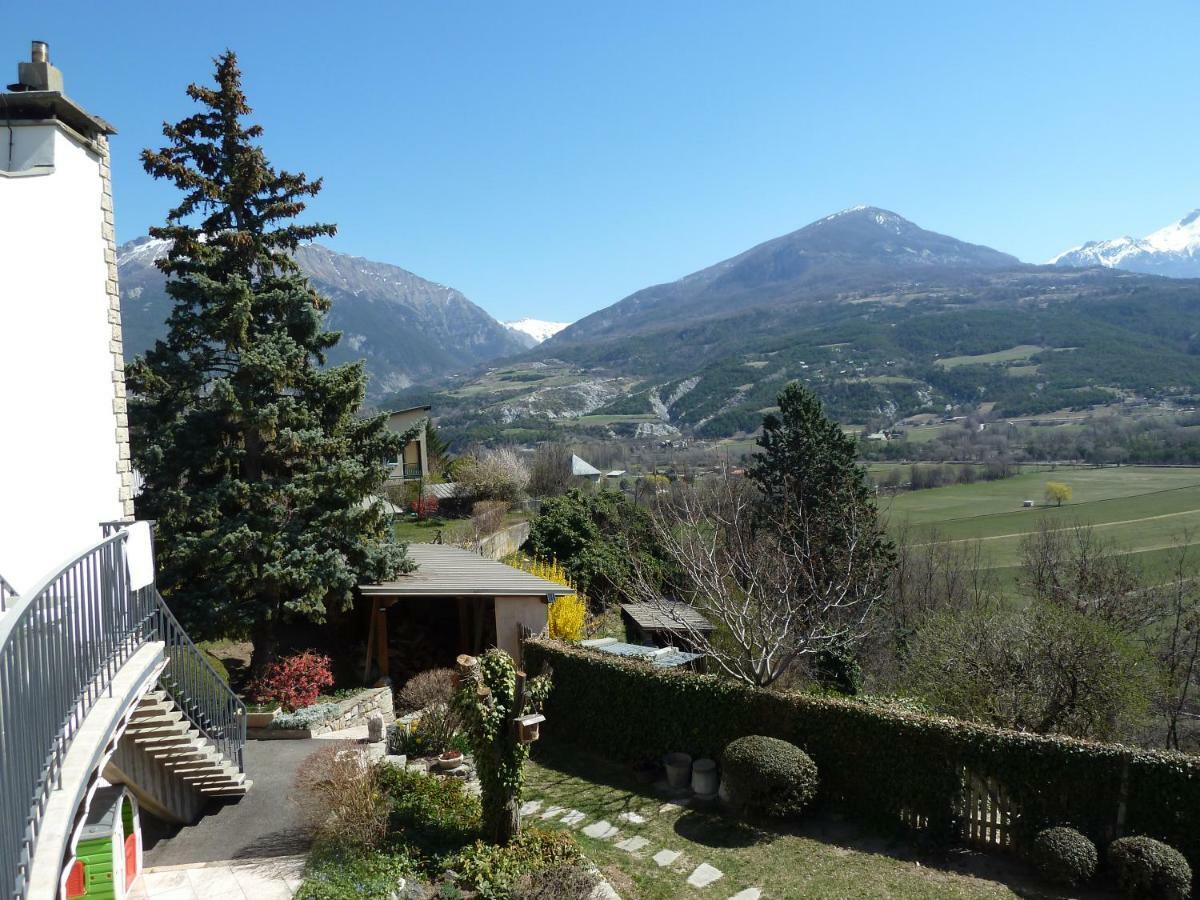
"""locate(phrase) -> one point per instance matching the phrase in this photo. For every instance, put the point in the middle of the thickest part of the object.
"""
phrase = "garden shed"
(455, 602)
(663, 623)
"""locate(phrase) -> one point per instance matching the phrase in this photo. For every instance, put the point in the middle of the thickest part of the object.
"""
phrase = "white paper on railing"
(139, 556)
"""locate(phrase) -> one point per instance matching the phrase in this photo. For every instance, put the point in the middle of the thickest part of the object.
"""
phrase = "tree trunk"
(265, 647)
(502, 822)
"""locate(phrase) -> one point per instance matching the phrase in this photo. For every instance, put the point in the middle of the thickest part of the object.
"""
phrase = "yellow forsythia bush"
(567, 616)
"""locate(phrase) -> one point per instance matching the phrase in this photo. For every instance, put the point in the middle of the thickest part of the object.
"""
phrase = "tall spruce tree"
(254, 458)
(808, 474)
(806, 459)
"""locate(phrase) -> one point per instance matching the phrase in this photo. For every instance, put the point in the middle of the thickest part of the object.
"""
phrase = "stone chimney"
(38, 74)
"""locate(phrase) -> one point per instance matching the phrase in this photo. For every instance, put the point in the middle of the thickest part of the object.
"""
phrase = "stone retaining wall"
(502, 543)
(351, 712)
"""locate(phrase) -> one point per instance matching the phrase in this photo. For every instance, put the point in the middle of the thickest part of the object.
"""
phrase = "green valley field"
(1142, 510)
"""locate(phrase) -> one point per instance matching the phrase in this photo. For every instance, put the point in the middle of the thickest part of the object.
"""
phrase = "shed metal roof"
(443, 491)
(445, 571)
(661, 657)
(582, 467)
(666, 615)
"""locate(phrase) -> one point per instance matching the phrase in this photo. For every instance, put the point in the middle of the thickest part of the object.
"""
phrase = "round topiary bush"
(767, 776)
(1064, 856)
(1147, 869)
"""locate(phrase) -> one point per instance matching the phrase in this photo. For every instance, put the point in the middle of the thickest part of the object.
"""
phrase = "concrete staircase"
(160, 729)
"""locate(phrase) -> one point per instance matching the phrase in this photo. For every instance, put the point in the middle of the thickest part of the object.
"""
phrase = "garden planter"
(704, 778)
(262, 719)
(679, 770)
(451, 759)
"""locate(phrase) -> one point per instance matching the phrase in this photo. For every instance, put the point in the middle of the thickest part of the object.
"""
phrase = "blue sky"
(549, 158)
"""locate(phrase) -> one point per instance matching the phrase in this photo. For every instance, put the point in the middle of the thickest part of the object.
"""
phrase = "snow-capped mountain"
(532, 332)
(1173, 251)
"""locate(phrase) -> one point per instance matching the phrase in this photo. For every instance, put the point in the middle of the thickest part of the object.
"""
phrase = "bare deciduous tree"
(932, 574)
(550, 473)
(764, 576)
(1179, 645)
(1075, 568)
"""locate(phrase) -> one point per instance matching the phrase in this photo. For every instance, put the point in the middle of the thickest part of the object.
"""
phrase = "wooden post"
(370, 640)
(382, 647)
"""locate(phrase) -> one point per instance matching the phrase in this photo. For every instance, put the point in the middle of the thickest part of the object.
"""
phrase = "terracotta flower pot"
(451, 759)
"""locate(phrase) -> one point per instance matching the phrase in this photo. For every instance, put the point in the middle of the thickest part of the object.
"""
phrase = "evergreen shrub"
(1064, 856)
(768, 776)
(881, 763)
(1147, 869)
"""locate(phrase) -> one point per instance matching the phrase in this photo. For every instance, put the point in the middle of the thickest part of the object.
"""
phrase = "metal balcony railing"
(61, 645)
(412, 470)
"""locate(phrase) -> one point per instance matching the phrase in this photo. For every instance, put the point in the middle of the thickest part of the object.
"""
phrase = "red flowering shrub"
(294, 682)
(424, 507)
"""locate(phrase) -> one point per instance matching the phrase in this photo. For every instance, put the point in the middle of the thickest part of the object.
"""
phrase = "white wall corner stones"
(117, 348)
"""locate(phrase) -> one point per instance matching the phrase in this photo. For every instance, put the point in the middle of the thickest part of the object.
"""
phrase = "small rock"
(573, 818)
(633, 818)
(633, 844)
(664, 858)
(601, 830)
(529, 808)
(704, 875)
(747, 894)
(554, 812)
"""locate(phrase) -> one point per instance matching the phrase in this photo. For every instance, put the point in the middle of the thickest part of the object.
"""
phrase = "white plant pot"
(679, 769)
(704, 778)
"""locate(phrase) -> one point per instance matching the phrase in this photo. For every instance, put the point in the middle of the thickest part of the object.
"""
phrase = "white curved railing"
(61, 644)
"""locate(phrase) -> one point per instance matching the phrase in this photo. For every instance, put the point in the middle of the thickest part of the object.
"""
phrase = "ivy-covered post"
(493, 698)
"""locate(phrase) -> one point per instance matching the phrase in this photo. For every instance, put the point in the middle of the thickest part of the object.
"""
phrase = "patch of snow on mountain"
(537, 329)
(145, 249)
(1173, 251)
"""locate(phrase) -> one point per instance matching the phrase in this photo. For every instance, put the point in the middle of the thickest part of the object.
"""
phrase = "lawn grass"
(1021, 351)
(614, 419)
(1142, 510)
(822, 858)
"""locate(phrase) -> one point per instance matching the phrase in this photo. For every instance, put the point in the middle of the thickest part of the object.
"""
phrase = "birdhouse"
(527, 727)
(108, 855)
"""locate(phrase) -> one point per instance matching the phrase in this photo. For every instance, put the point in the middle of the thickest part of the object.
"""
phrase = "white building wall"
(58, 429)
(515, 613)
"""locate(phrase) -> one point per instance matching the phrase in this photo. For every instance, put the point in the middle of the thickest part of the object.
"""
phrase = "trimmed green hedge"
(881, 763)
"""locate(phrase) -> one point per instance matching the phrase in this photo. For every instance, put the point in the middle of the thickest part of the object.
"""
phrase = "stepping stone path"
(601, 830)
(665, 857)
(702, 876)
(633, 844)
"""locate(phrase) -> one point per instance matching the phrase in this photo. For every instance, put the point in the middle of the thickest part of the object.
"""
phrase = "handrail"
(196, 688)
(61, 645)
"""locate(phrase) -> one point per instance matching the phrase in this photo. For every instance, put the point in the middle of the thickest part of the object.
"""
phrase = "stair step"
(157, 726)
(151, 713)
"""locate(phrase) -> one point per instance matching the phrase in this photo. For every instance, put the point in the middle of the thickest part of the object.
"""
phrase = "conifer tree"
(254, 458)
(814, 489)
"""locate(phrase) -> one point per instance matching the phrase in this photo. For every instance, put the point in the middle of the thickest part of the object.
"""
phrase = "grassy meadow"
(1143, 510)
